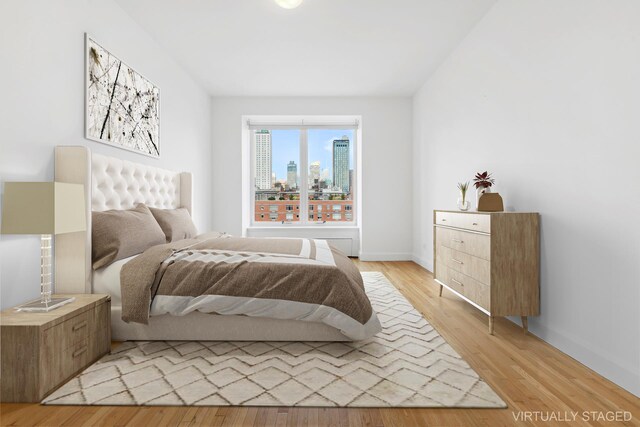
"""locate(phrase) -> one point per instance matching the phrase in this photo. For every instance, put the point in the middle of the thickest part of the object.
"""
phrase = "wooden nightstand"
(42, 351)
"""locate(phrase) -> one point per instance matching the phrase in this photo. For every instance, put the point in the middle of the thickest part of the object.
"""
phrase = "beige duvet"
(302, 279)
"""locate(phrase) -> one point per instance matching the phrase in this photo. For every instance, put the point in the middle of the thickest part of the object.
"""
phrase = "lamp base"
(38, 306)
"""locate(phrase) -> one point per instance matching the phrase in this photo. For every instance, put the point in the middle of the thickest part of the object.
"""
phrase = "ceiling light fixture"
(288, 4)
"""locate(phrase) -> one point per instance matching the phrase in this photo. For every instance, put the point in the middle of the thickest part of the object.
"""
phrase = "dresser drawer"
(478, 245)
(472, 289)
(474, 267)
(443, 274)
(467, 221)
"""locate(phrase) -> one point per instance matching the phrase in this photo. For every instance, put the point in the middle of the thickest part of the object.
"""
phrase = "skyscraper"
(292, 175)
(314, 173)
(341, 163)
(263, 159)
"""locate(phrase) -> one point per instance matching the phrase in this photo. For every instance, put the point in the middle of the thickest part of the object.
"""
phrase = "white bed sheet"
(106, 280)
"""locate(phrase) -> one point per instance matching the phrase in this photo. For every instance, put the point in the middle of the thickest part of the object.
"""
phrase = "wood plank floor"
(527, 373)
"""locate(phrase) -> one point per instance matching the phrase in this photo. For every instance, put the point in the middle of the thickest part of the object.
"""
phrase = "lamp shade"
(43, 208)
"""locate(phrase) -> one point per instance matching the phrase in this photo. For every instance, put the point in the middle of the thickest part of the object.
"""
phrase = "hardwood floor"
(527, 373)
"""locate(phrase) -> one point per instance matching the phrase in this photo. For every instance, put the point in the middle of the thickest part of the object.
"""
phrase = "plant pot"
(463, 204)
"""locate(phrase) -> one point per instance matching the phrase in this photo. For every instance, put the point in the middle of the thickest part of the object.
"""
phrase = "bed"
(112, 183)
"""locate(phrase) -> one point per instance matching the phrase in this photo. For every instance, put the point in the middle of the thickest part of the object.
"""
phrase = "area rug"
(408, 364)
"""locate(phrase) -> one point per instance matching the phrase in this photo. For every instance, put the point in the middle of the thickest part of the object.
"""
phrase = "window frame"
(303, 124)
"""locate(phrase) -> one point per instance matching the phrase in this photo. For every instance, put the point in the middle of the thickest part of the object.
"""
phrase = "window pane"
(331, 173)
(277, 178)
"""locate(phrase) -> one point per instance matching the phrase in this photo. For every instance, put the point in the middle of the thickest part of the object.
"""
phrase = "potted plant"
(483, 183)
(463, 203)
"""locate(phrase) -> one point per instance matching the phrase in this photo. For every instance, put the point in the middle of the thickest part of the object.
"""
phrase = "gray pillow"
(119, 234)
(176, 223)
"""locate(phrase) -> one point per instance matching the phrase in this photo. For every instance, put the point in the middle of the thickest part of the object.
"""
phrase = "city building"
(314, 174)
(292, 175)
(341, 163)
(264, 175)
(289, 211)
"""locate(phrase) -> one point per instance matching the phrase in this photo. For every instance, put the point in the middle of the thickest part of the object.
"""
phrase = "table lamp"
(45, 208)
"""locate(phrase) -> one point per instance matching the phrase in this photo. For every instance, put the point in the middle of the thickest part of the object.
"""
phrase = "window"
(299, 173)
(276, 159)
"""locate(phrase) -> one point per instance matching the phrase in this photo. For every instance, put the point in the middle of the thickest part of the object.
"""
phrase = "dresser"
(42, 351)
(491, 260)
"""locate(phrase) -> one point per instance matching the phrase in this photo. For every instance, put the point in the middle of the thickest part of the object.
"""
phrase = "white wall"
(386, 160)
(546, 95)
(42, 57)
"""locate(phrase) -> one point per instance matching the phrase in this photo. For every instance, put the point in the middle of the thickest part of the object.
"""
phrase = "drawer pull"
(443, 220)
(475, 223)
(79, 351)
(457, 241)
(456, 282)
(79, 326)
(457, 260)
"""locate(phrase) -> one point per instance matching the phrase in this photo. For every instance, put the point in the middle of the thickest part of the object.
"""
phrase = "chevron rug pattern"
(408, 364)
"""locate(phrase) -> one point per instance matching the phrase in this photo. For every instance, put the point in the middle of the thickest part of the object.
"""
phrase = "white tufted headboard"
(109, 183)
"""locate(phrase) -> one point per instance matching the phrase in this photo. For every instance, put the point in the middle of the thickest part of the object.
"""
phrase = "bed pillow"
(119, 234)
(176, 223)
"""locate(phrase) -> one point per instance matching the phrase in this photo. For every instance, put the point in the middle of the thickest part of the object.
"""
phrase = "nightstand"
(42, 351)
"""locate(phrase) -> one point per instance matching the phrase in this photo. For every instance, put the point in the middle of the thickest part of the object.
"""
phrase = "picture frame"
(122, 106)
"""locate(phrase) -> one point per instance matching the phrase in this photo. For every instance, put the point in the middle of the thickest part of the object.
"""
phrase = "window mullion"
(252, 175)
(304, 184)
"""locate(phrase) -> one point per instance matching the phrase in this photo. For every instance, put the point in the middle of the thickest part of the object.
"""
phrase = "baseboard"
(385, 256)
(624, 376)
(422, 262)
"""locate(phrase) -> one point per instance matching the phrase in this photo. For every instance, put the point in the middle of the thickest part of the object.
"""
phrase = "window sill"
(344, 237)
(278, 226)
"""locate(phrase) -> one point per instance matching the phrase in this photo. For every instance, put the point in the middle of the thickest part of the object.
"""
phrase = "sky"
(285, 146)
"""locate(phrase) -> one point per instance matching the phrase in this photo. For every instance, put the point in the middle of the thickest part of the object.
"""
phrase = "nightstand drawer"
(63, 364)
(69, 332)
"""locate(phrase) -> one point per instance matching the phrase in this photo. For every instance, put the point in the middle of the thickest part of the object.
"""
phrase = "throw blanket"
(300, 279)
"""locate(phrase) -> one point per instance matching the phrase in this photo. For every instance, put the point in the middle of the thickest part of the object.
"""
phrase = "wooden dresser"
(490, 259)
(42, 351)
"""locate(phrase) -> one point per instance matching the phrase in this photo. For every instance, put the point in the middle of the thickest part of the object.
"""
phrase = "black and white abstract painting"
(122, 106)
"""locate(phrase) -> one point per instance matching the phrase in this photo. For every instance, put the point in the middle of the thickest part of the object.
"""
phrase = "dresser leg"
(491, 325)
(525, 324)
(440, 294)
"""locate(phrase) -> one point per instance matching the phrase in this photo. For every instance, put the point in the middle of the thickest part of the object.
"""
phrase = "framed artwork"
(122, 107)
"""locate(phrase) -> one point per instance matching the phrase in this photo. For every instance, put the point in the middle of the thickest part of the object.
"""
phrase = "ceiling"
(322, 48)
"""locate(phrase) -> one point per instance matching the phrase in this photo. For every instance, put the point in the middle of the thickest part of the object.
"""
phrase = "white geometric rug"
(407, 364)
